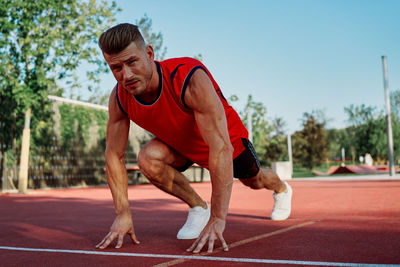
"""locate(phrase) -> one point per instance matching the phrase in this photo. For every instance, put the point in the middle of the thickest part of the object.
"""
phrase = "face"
(132, 68)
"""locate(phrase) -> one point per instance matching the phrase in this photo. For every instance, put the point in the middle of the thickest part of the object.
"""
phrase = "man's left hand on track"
(210, 233)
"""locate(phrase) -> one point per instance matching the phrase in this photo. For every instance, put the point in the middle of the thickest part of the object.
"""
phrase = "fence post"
(23, 166)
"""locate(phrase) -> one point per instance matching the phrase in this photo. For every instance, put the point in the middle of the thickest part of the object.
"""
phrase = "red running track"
(334, 223)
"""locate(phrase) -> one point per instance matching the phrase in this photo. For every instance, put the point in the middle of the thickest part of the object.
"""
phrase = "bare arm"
(211, 120)
(116, 143)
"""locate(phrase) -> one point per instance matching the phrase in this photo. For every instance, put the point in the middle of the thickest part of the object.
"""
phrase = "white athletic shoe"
(282, 204)
(196, 221)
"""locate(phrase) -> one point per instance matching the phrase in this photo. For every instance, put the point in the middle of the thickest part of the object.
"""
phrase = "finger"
(210, 244)
(134, 239)
(109, 240)
(224, 245)
(104, 239)
(193, 245)
(200, 245)
(120, 241)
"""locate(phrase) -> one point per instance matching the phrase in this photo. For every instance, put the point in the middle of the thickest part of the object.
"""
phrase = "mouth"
(131, 83)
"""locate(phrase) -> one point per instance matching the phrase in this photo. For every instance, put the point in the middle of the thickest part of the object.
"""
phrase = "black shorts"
(246, 165)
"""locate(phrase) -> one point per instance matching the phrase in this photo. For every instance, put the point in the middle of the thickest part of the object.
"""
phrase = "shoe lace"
(277, 200)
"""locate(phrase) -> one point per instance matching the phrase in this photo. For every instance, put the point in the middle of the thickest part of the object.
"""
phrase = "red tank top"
(170, 119)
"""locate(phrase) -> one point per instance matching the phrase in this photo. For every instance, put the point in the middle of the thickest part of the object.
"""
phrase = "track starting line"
(194, 257)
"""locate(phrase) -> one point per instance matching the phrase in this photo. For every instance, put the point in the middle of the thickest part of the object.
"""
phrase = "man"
(181, 104)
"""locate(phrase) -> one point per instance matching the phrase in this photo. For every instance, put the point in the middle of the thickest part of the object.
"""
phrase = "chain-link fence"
(58, 166)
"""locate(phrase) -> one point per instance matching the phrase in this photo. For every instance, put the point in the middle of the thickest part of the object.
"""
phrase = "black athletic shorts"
(246, 165)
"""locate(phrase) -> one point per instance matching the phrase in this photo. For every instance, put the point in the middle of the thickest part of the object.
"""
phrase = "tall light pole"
(388, 116)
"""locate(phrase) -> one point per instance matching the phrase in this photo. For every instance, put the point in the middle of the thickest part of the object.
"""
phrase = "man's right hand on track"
(121, 226)
(210, 233)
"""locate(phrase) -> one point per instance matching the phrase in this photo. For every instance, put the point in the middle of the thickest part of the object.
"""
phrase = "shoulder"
(200, 91)
(180, 61)
(180, 70)
(113, 96)
(180, 66)
(114, 104)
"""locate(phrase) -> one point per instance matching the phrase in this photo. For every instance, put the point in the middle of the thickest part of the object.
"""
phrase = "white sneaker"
(196, 221)
(282, 204)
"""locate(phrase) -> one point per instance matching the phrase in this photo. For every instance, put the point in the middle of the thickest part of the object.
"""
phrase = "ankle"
(282, 188)
(200, 203)
(203, 205)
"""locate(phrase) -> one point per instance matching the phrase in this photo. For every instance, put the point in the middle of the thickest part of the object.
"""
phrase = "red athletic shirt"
(171, 120)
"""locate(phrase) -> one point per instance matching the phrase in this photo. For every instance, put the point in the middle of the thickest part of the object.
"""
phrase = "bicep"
(209, 113)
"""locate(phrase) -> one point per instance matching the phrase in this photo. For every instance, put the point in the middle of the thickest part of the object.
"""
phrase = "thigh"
(156, 149)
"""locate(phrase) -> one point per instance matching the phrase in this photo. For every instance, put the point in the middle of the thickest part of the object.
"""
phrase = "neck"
(152, 91)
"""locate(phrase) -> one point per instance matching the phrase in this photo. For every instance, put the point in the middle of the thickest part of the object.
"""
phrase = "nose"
(128, 73)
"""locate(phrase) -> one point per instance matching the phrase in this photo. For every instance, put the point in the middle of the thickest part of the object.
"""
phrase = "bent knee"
(150, 166)
(151, 152)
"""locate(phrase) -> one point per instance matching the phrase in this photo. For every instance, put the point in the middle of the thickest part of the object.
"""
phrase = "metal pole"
(249, 125)
(289, 144)
(23, 165)
(388, 117)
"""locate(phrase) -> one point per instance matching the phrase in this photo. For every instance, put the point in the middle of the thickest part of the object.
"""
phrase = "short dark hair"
(117, 38)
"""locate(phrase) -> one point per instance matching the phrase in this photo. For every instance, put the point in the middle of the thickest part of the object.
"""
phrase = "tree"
(395, 102)
(276, 146)
(368, 131)
(268, 137)
(311, 143)
(396, 138)
(338, 139)
(151, 38)
(358, 115)
(260, 126)
(41, 43)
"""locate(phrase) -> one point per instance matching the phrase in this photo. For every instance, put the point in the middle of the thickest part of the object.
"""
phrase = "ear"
(150, 53)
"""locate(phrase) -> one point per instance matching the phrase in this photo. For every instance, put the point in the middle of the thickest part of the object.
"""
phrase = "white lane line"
(194, 257)
(284, 230)
(238, 243)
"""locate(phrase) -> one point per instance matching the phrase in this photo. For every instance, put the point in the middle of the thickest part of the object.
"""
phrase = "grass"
(299, 171)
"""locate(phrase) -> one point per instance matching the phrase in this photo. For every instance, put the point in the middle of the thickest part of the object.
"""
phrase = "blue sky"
(294, 56)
